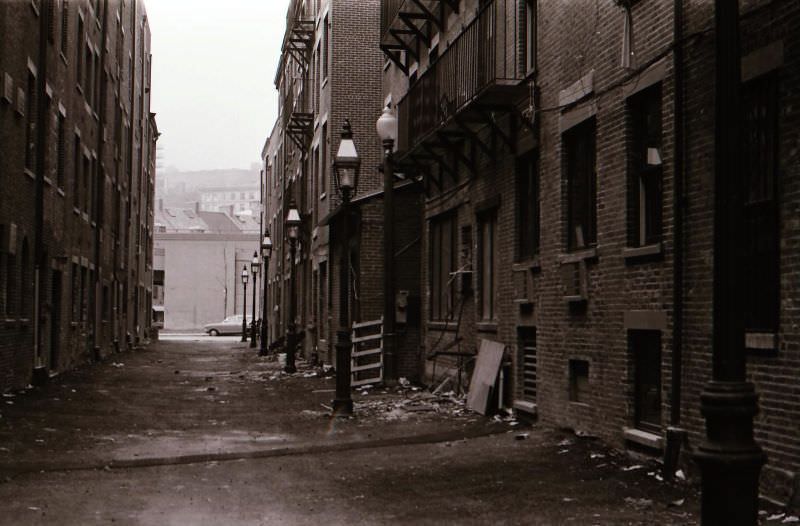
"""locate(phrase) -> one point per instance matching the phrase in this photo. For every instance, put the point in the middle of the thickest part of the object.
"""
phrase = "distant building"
(198, 260)
(236, 200)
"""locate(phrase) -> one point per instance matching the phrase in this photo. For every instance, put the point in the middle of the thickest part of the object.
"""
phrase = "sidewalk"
(182, 402)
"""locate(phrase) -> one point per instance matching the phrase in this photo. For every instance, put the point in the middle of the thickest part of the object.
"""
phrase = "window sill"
(30, 174)
(48, 181)
(527, 264)
(643, 438)
(524, 406)
(441, 326)
(632, 254)
(60, 192)
(322, 196)
(578, 256)
(63, 58)
(486, 326)
(761, 341)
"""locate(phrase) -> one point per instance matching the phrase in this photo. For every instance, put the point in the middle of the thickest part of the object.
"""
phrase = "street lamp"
(292, 233)
(254, 265)
(266, 252)
(387, 131)
(346, 167)
(244, 307)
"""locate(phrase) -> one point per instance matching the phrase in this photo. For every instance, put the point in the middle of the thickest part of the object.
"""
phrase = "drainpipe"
(676, 436)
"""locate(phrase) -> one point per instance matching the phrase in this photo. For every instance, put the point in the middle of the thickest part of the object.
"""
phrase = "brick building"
(77, 166)
(567, 155)
(330, 71)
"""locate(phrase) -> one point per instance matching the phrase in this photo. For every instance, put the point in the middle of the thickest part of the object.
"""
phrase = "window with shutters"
(441, 265)
(645, 187)
(761, 241)
(579, 143)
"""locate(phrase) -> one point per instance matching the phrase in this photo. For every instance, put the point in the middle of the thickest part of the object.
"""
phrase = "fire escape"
(297, 44)
(466, 103)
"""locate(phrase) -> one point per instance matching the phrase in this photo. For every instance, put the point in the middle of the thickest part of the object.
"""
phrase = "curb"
(306, 449)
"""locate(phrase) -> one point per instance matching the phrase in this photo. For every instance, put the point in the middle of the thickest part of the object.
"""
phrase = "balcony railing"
(482, 58)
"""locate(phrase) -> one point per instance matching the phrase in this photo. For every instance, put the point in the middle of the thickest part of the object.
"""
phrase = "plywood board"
(490, 354)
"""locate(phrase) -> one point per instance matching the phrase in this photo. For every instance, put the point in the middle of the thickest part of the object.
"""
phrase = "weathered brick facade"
(77, 166)
(334, 75)
(580, 314)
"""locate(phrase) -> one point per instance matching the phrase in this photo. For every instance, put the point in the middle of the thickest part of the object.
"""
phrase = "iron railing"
(484, 55)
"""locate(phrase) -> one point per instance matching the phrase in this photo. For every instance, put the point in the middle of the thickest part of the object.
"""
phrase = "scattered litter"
(9, 402)
(584, 434)
(563, 451)
(403, 381)
(597, 455)
(632, 468)
(73, 390)
(521, 436)
(776, 517)
(34, 508)
(565, 442)
(9, 395)
(310, 374)
(106, 468)
(678, 502)
(5, 449)
(680, 475)
(639, 503)
(568, 499)
(790, 518)
(117, 364)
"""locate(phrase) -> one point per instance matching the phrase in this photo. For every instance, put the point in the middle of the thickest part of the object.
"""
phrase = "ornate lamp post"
(244, 304)
(254, 265)
(266, 252)
(346, 167)
(387, 131)
(292, 233)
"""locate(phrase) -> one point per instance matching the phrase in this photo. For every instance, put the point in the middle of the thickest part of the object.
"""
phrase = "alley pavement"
(198, 430)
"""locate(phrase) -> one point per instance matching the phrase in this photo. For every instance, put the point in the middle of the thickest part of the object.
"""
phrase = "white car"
(230, 325)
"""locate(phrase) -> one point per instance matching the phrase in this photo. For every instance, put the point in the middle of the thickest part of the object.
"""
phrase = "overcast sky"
(214, 64)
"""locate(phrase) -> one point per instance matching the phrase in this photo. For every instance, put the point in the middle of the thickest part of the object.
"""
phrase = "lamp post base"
(343, 403)
(729, 458)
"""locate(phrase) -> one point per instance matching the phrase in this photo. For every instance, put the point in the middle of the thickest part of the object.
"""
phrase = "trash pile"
(406, 402)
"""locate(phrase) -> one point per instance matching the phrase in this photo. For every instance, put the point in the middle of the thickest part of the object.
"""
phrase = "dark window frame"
(528, 206)
(487, 265)
(442, 288)
(580, 167)
(645, 347)
(645, 167)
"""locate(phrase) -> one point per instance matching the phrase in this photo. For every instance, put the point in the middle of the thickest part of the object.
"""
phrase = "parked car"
(230, 325)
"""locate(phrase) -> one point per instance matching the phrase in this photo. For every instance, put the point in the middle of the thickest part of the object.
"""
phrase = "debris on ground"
(632, 468)
(639, 503)
(117, 364)
(521, 436)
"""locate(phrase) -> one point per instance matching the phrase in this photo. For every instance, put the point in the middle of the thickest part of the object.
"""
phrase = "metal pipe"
(390, 372)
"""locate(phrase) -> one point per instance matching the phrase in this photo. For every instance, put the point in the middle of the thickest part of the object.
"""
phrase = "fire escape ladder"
(428, 15)
(408, 20)
(392, 52)
(411, 50)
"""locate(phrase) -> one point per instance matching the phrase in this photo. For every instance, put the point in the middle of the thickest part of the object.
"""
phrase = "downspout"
(41, 138)
(676, 436)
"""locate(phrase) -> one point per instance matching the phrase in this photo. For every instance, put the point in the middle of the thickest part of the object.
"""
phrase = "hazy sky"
(214, 64)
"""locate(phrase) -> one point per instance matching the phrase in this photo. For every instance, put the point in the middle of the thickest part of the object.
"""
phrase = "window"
(11, 283)
(64, 26)
(527, 207)
(79, 55)
(30, 129)
(527, 363)
(24, 281)
(579, 145)
(442, 263)
(578, 380)
(61, 149)
(487, 264)
(76, 302)
(76, 181)
(645, 348)
(645, 158)
(761, 240)
(529, 36)
(323, 160)
(324, 51)
(322, 297)
(86, 175)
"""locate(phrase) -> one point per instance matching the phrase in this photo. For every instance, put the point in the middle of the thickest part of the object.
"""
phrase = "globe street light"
(346, 167)
(387, 131)
(254, 265)
(244, 307)
(266, 252)
(292, 233)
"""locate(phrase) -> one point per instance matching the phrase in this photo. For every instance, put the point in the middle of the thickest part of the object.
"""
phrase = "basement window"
(578, 380)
